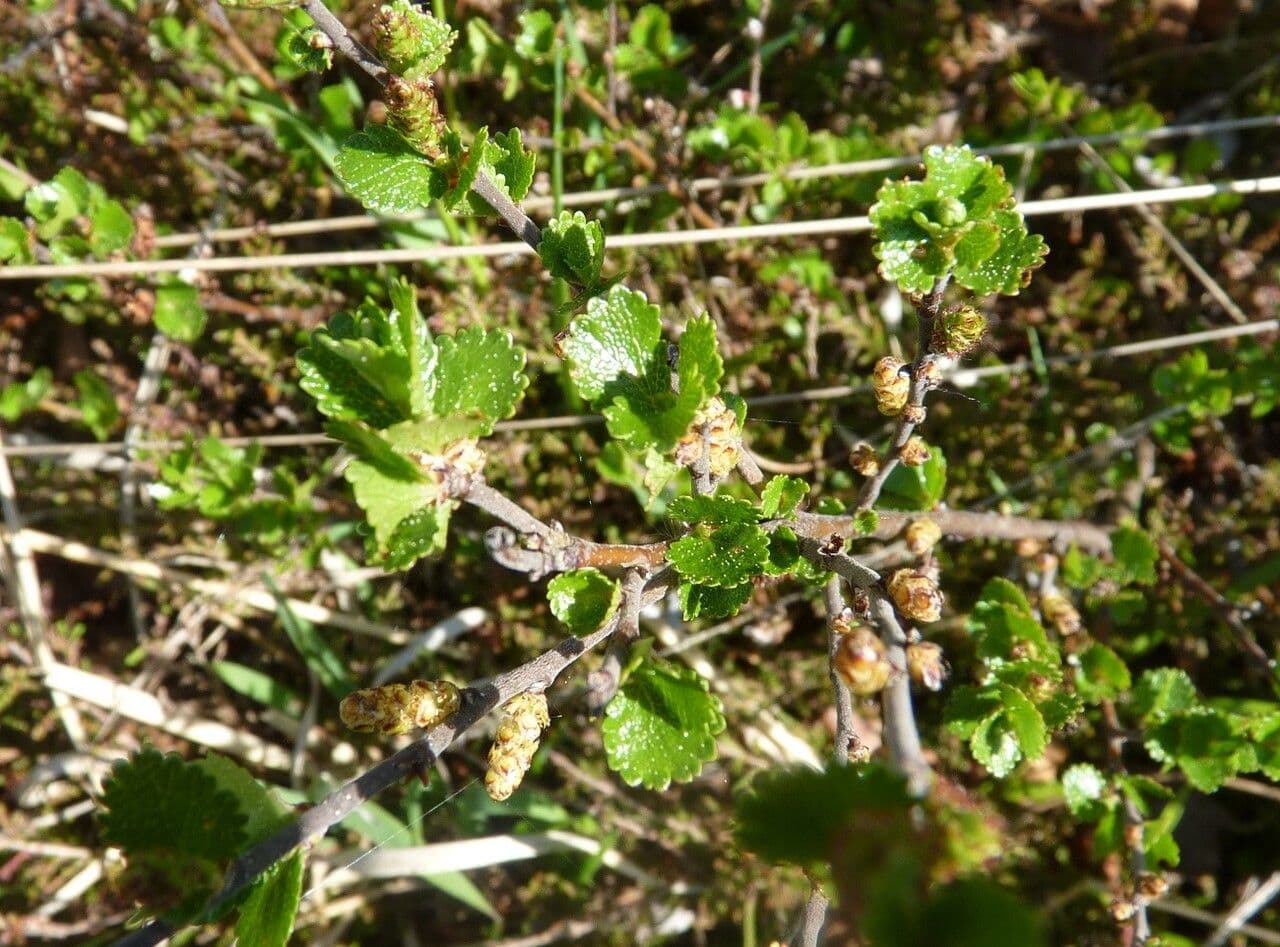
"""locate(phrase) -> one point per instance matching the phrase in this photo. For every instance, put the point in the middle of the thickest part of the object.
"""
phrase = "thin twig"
(1249, 905)
(846, 736)
(478, 701)
(912, 415)
(1133, 822)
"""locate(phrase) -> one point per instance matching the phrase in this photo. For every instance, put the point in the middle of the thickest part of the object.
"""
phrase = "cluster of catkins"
(398, 708)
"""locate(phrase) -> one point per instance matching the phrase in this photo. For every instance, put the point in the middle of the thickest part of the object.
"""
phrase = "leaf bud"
(413, 111)
(1123, 909)
(524, 717)
(1059, 612)
(455, 469)
(913, 414)
(890, 385)
(1028, 548)
(931, 372)
(864, 459)
(922, 535)
(399, 708)
(723, 439)
(862, 661)
(914, 453)
(1152, 885)
(916, 595)
(413, 42)
(927, 665)
(957, 331)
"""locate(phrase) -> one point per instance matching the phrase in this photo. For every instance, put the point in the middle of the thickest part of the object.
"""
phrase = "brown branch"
(927, 311)
(901, 735)
(846, 736)
(478, 701)
(485, 187)
(963, 525)
(1228, 611)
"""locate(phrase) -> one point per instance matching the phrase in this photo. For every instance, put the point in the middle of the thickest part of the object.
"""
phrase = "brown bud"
(864, 459)
(862, 661)
(723, 439)
(922, 535)
(1046, 562)
(926, 664)
(1123, 909)
(931, 373)
(914, 453)
(399, 708)
(1152, 885)
(1060, 613)
(1133, 835)
(1028, 548)
(913, 414)
(890, 385)
(845, 622)
(916, 595)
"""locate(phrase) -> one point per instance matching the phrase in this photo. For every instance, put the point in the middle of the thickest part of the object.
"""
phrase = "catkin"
(524, 717)
(399, 708)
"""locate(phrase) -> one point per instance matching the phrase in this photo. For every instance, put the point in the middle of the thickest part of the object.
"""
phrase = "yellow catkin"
(862, 660)
(723, 439)
(399, 708)
(916, 595)
(524, 717)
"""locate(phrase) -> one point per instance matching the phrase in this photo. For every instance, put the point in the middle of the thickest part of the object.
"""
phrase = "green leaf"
(1203, 745)
(1000, 591)
(159, 803)
(15, 242)
(375, 449)
(998, 626)
(267, 914)
(572, 248)
(1025, 721)
(781, 496)
(1158, 841)
(298, 50)
(1083, 786)
(973, 912)
(661, 726)
(994, 744)
(968, 707)
(421, 534)
(1163, 692)
(706, 601)
(19, 397)
(728, 556)
(361, 366)
(328, 667)
(784, 552)
(477, 373)
(387, 500)
(1081, 570)
(264, 813)
(1101, 675)
(618, 362)
(513, 165)
(1135, 557)
(111, 228)
(257, 685)
(178, 313)
(384, 172)
(795, 816)
(865, 522)
(58, 201)
(97, 404)
(715, 510)
(915, 488)
(958, 219)
(616, 342)
(1008, 268)
(583, 599)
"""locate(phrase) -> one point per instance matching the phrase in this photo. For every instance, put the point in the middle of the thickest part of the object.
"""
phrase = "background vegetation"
(142, 601)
